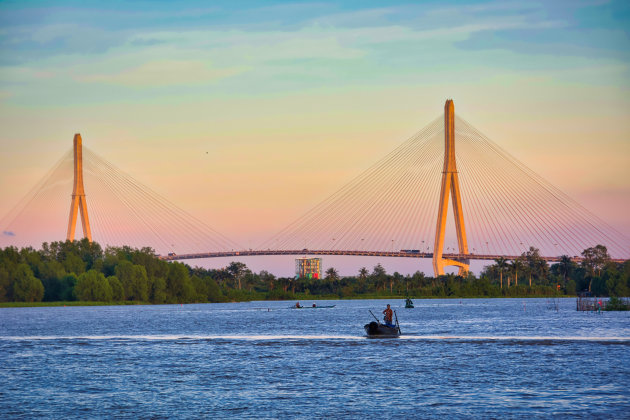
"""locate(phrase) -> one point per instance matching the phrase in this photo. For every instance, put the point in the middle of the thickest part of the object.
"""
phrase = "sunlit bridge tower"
(450, 185)
(78, 195)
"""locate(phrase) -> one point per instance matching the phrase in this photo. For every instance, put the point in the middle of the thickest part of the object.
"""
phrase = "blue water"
(471, 358)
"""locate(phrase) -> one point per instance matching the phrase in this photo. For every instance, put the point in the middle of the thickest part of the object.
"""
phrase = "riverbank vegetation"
(80, 272)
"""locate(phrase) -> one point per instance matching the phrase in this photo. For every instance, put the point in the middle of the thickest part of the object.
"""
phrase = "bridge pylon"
(78, 195)
(450, 185)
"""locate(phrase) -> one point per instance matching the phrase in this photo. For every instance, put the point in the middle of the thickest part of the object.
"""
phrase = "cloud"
(8, 233)
(166, 72)
(599, 43)
(273, 48)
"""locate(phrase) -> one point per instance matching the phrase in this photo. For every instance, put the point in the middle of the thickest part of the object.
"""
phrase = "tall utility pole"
(78, 195)
(450, 184)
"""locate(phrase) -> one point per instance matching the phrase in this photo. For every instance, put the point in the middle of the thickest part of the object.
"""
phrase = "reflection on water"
(480, 358)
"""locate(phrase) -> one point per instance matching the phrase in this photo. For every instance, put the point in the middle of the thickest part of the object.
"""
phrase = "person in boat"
(388, 315)
(314, 306)
(297, 305)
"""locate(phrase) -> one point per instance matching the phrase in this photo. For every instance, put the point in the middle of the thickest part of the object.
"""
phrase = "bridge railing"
(361, 253)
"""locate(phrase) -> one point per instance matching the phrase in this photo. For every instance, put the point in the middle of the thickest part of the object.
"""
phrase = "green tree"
(362, 280)
(118, 291)
(110, 261)
(565, 267)
(571, 287)
(178, 283)
(594, 260)
(134, 280)
(26, 287)
(237, 271)
(74, 264)
(93, 286)
(615, 282)
(331, 274)
(158, 290)
(90, 253)
(5, 285)
(536, 266)
(515, 267)
(66, 287)
(268, 279)
(379, 276)
(201, 289)
(214, 292)
(502, 266)
(50, 273)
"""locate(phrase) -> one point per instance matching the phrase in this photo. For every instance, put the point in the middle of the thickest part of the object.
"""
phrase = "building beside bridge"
(310, 268)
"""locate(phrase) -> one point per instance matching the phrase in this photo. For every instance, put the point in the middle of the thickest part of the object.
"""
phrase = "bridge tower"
(450, 185)
(78, 195)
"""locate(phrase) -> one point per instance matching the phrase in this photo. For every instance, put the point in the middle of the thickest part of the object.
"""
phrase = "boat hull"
(378, 330)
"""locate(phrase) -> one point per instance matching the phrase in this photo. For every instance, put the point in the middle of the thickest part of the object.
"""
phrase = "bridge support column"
(78, 195)
(450, 185)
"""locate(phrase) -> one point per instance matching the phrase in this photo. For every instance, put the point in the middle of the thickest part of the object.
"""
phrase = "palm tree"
(363, 275)
(379, 275)
(501, 264)
(331, 274)
(536, 265)
(515, 267)
(564, 266)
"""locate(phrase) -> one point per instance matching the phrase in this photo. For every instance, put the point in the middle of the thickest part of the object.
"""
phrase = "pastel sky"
(232, 109)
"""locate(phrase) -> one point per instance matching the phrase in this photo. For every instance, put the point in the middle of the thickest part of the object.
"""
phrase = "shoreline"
(297, 298)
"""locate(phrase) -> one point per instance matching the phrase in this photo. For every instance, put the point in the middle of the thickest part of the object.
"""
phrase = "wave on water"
(512, 338)
(183, 337)
(260, 337)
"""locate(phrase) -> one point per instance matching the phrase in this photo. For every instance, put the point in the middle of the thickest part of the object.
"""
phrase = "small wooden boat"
(377, 330)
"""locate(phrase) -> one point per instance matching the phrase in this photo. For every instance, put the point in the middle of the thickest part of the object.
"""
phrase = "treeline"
(83, 271)
(80, 270)
(596, 273)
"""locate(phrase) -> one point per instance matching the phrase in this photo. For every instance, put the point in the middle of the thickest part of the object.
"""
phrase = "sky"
(232, 110)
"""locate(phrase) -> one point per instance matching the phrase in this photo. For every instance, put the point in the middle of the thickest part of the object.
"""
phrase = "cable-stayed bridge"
(398, 207)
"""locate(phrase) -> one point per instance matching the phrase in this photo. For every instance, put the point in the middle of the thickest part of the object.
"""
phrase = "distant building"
(310, 268)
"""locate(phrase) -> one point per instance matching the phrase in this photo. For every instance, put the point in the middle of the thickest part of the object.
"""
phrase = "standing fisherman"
(388, 315)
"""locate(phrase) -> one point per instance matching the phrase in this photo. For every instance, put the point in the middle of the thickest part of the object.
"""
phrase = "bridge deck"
(399, 254)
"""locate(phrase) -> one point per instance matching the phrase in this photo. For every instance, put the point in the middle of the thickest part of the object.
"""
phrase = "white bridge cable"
(175, 229)
(121, 211)
(32, 220)
(40, 187)
(393, 205)
(343, 217)
(390, 206)
(568, 227)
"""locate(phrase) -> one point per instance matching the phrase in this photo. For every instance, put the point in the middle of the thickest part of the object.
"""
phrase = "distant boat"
(312, 307)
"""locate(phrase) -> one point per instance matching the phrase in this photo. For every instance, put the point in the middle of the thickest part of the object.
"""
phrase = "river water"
(480, 358)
